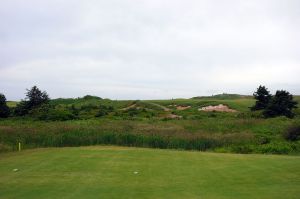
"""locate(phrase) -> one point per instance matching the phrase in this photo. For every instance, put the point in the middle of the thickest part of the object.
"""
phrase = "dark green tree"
(4, 109)
(21, 108)
(282, 104)
(263, 97)
(34, 98)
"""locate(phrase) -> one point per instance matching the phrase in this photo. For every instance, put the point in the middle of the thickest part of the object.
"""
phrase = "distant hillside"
(11, 104)
(67, 101)
(224, 96)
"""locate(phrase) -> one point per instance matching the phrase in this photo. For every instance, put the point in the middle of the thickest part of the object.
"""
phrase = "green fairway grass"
(108, 172)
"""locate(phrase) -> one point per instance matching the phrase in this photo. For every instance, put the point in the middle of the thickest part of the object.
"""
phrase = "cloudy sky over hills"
(135, 49)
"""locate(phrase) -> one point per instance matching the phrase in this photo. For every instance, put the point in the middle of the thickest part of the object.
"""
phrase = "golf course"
(137, 99)
(204, 147)
(123, 172)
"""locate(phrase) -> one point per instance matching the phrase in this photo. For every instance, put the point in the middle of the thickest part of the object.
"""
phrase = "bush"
(49, 113)
(88, 107)
(275, 148)
(60, 115)
(4, 148)
(74, 110)
(292, 133)
(104, 110)
(132, 112)
(244, 149)
(21, 109)
(257, 114)
(4, 109)
(263, 139)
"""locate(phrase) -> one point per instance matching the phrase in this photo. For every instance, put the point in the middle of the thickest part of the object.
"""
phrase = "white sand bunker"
(218, 108)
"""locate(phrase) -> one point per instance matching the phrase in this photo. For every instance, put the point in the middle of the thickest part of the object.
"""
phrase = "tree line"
(34, 99)
(280, 104)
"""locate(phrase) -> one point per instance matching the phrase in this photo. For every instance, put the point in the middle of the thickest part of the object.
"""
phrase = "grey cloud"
(148, 49)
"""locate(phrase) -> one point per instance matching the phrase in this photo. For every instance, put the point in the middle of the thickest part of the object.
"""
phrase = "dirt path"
(129, 107)
(160, 106)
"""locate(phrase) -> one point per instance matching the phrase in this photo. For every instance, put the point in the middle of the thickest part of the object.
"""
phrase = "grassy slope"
(107, 172)
(240, 103)
(11, 104)
(238, 126)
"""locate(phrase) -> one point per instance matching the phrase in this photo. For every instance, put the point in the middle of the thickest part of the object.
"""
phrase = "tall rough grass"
(225, 135)
(82, 138)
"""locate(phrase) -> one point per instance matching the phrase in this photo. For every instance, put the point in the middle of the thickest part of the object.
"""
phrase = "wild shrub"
(88, 107)
(264, 139)
(212, 114)
(74, 110)
(132, 112)
(21, 109)
(5, 148)
(104, 110)
(4, 109)
(50, 113)
(60, 115)
(275, 148)
(292, 133)
(244, 149)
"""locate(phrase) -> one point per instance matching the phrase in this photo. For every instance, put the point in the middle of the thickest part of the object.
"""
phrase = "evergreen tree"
(263, 97)
(281, 104)
(4, 109)
(34, 98)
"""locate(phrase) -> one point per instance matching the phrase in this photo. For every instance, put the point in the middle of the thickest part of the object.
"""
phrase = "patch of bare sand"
(129, 107)
(218, 108)
(181, 108)
(173, 116)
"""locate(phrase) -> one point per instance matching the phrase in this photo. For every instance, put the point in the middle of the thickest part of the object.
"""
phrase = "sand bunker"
(181, 108)
(173, 116)
(218, 108)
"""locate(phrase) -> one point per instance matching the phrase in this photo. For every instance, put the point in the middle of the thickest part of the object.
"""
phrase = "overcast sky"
(148, 49)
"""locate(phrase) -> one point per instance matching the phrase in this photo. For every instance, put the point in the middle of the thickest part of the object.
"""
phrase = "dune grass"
(108, 172)
(146, 124)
